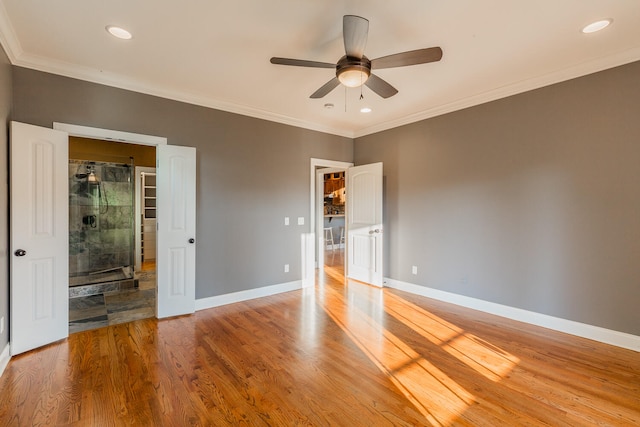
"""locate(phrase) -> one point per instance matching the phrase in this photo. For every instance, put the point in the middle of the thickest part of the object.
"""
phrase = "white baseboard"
(596, 333)
(5, 356)
(218, 300)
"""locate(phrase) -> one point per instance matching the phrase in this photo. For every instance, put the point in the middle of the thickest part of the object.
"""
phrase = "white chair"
(341, 245)
(328, 238)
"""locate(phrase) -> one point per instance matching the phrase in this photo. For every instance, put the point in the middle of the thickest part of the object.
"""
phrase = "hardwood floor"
(347, 355)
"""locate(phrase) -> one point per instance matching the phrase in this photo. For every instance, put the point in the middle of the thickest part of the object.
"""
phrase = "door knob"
(192, 240)
(20, 252)
(377, 230)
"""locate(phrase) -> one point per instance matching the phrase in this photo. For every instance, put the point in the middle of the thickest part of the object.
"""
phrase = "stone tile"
(87, 315)
(118, 193)
(85, 302)
(129, 300)
(116, 173)
(146, 280)
(122, 238)
(80, 287)
(131, 315)
(89, 307)
(144, 285)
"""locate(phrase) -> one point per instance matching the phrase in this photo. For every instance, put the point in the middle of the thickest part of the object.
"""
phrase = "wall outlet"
(414, 269)
(2, 325)
(300, 220)
(286, 220)
(286, 268)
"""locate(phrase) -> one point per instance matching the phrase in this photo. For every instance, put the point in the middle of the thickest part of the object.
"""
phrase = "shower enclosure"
(101, 225)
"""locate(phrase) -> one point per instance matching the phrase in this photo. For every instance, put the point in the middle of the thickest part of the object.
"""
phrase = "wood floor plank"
(342, 354)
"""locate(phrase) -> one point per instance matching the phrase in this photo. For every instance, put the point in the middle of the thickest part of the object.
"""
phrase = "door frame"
(315, 208)
(113, 136)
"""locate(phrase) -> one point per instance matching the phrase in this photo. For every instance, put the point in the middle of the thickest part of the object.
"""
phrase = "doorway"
(363, 220)
(318, 169)
(108, 200)
(333, 223)
(40, 241)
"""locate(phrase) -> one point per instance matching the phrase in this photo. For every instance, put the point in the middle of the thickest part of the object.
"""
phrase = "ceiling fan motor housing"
(353, 72)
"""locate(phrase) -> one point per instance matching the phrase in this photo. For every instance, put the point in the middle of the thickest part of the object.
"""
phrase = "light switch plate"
(286, 220)
(300, 220)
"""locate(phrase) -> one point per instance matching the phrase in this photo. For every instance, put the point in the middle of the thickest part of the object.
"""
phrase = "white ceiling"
(216, 53)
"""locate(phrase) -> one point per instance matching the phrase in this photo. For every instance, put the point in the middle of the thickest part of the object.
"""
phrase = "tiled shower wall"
(107, 240)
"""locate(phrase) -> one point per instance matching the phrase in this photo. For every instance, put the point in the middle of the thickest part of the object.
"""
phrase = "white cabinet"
(148, 203)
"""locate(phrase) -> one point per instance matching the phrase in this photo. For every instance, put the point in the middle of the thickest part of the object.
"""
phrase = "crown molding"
(8, 38)
(17, 57)
(122, 82)
(590, 67)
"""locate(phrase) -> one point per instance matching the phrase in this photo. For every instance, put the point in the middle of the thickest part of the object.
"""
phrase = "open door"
(176, 222)
(364, 223)
(39, 246)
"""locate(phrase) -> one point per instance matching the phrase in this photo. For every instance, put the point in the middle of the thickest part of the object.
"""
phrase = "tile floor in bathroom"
(110, 308)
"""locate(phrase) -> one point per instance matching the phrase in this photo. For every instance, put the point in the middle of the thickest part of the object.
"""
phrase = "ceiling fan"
(354, 69)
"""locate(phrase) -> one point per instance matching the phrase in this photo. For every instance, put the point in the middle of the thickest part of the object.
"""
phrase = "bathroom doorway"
(106, 284)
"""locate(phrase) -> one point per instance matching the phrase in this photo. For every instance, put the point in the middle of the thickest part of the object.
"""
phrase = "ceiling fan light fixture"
(353, 76)
(597, 26)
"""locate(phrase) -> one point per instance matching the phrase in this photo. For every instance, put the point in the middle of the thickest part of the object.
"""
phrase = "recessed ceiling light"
(118, 32)
(365, 110)
(328, 106)
(597, 26)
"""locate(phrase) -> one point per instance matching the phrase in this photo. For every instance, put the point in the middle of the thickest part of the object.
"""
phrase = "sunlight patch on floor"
(428, 388)
(485, 358)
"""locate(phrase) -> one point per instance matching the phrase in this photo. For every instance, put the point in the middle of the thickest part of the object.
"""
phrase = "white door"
(39, 236)
(364, 223)
(176, 219)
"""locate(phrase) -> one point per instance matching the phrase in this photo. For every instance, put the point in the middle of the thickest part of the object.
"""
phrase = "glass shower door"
(101, 226)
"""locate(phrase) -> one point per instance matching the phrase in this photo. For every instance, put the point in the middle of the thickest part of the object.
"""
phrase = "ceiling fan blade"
(380, 86)
(413, 57)
(355, 31)
(301, 63)
(326, 88)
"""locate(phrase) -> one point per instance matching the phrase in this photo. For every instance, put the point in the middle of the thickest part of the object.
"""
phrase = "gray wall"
(532, 201)
(5, 114)
(251, 173)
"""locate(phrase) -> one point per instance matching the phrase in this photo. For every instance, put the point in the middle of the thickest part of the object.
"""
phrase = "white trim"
(580, 70)
(117, 136)
(8, 38)
(120, 81)
(218, 300)
(307, 240)
(110, 135)
(596, 333)
(5, 357)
